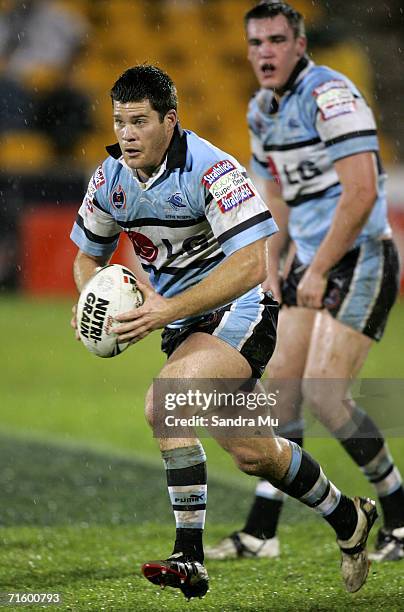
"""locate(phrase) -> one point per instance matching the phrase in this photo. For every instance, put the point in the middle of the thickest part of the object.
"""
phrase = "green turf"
(79, 523)
(97, 568)
(82, 493)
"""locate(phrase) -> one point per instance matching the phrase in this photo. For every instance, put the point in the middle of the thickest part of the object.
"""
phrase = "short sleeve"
(235, 211)
(344, 121)
(95, 231)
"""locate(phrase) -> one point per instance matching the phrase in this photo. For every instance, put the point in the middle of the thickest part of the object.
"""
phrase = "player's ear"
(301, 45)
(171, 118)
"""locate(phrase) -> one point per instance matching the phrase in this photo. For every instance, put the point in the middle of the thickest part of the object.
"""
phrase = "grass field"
(82, 490)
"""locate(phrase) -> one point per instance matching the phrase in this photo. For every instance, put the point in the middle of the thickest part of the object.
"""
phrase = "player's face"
(143, 138)
(273, 50)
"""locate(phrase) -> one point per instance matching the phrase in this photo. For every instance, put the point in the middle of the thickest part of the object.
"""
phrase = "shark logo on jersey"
(176, 200)
(118, 198)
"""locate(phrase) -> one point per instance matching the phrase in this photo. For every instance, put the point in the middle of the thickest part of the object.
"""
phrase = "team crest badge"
(118, 198)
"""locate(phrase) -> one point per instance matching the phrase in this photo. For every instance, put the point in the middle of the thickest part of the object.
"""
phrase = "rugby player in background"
(314, 141)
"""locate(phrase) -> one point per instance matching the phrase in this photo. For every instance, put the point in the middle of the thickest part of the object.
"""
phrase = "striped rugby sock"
(186, 480)
(387, 481)
(364, 442)
(263, 518)
(306, 481)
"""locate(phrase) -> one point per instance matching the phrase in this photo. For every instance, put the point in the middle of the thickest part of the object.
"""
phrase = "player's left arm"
(358, 177)
(237, 274)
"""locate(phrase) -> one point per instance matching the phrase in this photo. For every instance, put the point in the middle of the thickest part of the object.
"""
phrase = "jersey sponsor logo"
(332, 84)
(216, 171)
(176, 200)
(227, 183)
(144, 247)
(236, 197)
(98, 178)
(190, 246)
(305, 171)
(118, 198)
(97, 181)
(334, 98)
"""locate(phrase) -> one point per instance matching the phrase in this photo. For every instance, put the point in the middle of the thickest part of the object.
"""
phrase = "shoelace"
(185, 566)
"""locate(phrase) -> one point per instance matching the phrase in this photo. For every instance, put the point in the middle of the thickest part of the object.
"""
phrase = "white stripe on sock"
(265, 489)
(331, 501)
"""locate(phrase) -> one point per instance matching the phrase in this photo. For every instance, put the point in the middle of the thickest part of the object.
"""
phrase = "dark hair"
(270, 9)
(146, 82)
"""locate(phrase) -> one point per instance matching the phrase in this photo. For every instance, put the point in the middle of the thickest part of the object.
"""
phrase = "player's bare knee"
(259, 458)
(325, 399)
(313, 392)
(248, 464)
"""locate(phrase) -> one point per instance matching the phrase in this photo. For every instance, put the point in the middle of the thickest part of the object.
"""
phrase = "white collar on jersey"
(152, 179)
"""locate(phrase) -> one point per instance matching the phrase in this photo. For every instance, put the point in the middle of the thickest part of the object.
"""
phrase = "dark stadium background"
(63, 117)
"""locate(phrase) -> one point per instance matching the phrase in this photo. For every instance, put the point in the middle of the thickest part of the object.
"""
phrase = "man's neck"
(143, 174)
(300, 65)
(147, 176)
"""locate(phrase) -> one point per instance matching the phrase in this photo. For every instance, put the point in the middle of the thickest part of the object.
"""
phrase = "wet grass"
(83, 500)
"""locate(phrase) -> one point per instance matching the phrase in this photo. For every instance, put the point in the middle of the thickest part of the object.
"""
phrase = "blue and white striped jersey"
(199, 208)
(321, 118)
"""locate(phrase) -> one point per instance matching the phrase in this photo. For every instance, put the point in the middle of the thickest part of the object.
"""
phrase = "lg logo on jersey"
(190, 246)
(146, 249)
(305, 171)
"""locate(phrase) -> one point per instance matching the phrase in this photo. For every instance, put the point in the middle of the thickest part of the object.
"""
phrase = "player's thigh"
(294, 333)
(213, 363)
(336, 354)
(336, 350)
(228, 347)
(200, 356)
(286, 367)
(205, 356)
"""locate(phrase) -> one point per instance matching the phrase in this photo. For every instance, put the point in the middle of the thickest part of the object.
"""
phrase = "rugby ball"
(111, 291)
